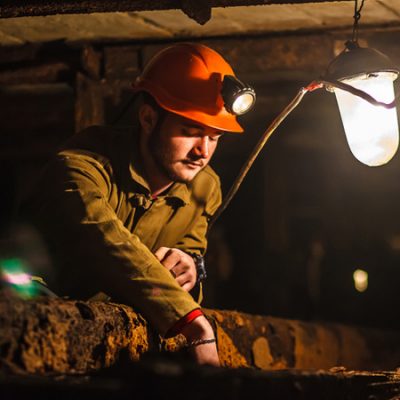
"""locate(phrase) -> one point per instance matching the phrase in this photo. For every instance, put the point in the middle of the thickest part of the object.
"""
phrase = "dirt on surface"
(48, 336)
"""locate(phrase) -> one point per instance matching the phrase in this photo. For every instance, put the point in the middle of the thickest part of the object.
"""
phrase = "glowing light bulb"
(243, 103)
(360, 278)
(372, 132)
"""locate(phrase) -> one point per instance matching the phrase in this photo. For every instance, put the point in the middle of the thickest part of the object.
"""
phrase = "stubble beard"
(162, 158)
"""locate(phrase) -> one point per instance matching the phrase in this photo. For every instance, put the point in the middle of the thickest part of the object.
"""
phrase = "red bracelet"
(186, 320)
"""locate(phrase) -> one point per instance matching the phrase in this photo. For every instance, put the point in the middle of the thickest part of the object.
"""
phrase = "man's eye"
(214, 138)
(189, 132)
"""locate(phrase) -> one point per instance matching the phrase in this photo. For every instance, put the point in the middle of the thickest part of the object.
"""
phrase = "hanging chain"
(357, 16)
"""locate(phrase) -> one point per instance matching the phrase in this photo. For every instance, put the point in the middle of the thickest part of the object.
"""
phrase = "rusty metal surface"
(53, 336)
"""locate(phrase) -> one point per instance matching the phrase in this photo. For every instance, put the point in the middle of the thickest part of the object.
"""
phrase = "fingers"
(168, 257)
(186, 280)
(171, 259)
(185, 276)
(188, 286)
(161, 252)
(172, 273)
(180, 264)
(180, 268)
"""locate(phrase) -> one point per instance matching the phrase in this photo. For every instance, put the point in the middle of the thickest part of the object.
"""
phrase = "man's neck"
(160, 190)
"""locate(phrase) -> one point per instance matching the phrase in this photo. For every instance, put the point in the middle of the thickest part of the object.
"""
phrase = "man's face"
(181, 147)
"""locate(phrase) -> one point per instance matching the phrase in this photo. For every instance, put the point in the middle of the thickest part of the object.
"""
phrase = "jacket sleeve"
(92, 247)
(206, 191)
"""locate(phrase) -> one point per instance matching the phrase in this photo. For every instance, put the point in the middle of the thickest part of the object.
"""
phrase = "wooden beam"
(24, 8)
(89, 105)
(48, 336)
(51, 72)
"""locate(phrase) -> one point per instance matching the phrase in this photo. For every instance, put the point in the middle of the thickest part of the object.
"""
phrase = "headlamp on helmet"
(238, 98)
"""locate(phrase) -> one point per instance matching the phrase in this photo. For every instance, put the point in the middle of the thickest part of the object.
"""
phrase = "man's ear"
(148, 118)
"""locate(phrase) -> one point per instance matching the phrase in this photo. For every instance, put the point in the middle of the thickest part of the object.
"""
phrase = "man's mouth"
(193, 164)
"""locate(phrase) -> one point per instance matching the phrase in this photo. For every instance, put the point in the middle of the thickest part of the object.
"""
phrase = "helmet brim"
(219, 118)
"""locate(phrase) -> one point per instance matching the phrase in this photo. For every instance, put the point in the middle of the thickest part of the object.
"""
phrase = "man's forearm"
(201, 341)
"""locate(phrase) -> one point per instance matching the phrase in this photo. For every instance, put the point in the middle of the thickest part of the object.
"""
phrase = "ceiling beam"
(199, 10)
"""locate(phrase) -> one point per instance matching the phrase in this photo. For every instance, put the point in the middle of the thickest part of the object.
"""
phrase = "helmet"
(187, 79)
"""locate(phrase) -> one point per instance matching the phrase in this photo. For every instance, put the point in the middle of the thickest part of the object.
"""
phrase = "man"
(125, 212)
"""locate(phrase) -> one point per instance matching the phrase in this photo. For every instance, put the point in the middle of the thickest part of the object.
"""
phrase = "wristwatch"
(200, 267)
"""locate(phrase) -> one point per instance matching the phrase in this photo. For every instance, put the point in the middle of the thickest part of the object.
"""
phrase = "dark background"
(307, 215)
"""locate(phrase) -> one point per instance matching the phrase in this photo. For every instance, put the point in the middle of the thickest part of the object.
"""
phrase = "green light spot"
(16, 279)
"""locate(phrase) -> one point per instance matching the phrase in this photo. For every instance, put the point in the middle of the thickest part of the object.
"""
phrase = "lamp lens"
(372, 132)
(238, 97)
(242, 103)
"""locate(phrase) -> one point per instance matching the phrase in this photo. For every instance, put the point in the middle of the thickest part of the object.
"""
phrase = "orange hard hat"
(186, 79)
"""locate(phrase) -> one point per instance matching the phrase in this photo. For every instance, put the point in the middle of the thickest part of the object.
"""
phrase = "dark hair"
(147, 98)
(133, 105)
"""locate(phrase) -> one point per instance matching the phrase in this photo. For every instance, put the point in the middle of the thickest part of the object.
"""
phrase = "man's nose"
(202, 147)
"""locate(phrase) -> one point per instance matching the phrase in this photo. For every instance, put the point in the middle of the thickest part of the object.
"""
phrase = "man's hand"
(207, 353)
(180, 264)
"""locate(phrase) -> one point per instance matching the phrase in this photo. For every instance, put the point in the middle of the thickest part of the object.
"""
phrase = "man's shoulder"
(207, 176)
(95, 138)
(99, 143)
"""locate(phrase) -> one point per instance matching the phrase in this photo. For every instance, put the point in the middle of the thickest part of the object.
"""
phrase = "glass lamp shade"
(372, 132)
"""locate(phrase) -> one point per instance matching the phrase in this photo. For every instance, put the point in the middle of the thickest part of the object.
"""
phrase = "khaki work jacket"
(93, 206)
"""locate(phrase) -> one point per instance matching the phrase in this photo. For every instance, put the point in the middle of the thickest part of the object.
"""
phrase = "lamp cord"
(356, 16)
(263, 140)
(314, 85)
(359, 93)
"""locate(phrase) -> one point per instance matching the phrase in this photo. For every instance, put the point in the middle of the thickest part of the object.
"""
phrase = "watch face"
(200, 267)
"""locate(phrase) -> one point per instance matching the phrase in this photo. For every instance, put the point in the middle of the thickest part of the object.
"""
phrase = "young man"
(125, 212)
